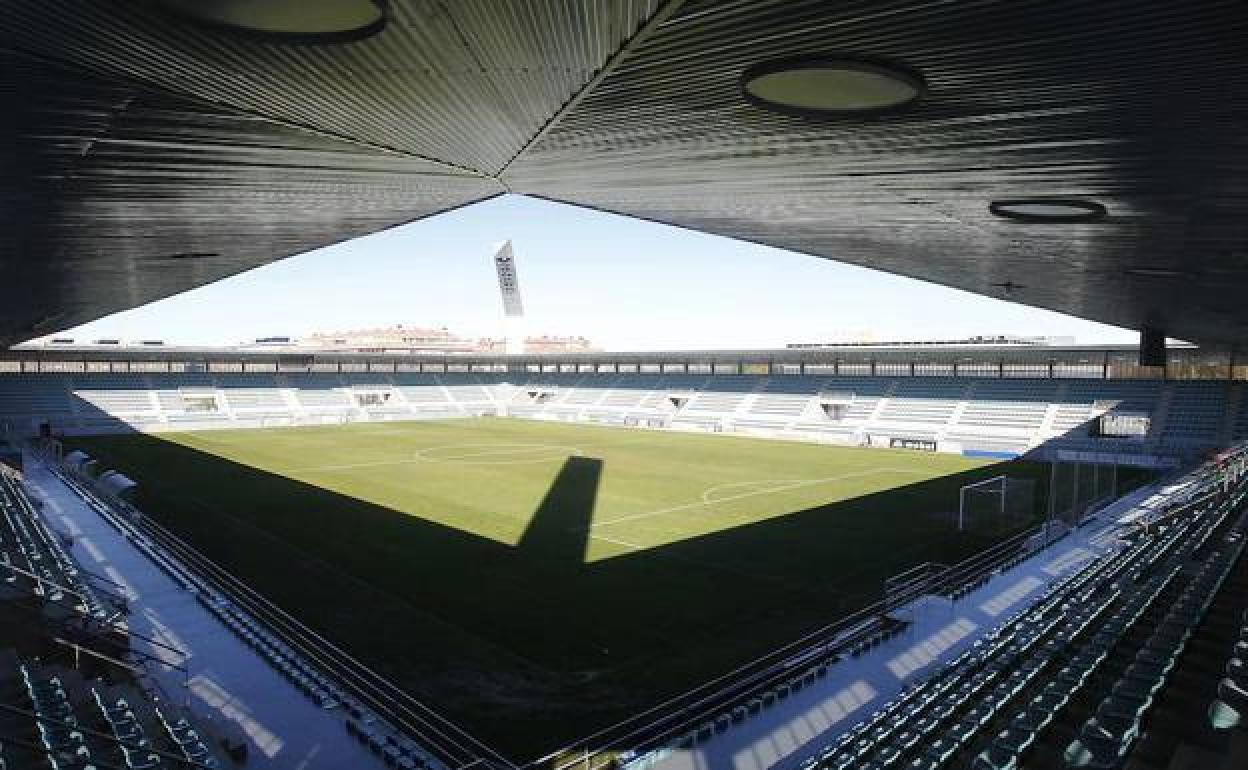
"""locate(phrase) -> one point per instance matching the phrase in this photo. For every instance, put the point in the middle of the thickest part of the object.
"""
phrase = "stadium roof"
(157, 353)
(151, 152)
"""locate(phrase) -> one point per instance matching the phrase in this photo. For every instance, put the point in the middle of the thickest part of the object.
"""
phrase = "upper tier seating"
(925, 400)
(865, 393)
(319, 391)
(1014, 405)
(715, 401)
(779, 405)
(798, 385)
(33, 394)
(186, 379)
(113, 394)
(253, 398)
(466, 388)
(1239, 427)
(1086, 400)
(1196, 413)
(1000, 415)
(420, 388)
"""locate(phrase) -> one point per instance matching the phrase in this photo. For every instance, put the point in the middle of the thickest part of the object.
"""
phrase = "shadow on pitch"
(559, 528)
(529, 644)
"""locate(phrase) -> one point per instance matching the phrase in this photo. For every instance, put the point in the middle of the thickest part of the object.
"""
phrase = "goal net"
(995, 504)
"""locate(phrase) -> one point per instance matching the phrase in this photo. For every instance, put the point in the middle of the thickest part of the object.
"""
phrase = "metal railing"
(659, 726)
(433, 732)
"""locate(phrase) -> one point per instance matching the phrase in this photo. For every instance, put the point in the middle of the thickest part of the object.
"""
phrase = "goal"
(995, 503)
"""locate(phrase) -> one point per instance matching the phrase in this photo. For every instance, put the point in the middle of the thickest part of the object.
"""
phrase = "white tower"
(509, 287)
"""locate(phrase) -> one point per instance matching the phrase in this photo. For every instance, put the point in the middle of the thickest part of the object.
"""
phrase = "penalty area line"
(615, 541)
(745, 495)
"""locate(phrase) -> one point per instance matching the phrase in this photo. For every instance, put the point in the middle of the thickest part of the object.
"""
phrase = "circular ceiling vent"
(830, 85)
(1048, 210)
(299, 21)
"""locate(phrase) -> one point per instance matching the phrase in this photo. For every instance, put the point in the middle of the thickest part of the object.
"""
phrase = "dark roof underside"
(146, 155)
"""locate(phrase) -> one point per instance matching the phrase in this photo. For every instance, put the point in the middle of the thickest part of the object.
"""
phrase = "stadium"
(975, 553)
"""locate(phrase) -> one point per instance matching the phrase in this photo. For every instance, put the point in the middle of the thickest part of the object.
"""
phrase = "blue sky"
(624, 283)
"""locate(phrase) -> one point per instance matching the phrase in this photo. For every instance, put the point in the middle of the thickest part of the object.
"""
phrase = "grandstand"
(1002, 410)
(1072, 680)
(874, 398)
(601, 561)
(74, 692)
(1057, 652)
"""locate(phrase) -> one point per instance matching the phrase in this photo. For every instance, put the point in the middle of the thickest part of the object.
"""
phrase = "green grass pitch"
(538, 580)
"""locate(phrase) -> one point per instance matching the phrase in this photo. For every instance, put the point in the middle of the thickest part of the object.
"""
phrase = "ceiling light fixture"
(293, 21)
(1153, 272)
(1054, 210)
(1009, 287)
(829, 85)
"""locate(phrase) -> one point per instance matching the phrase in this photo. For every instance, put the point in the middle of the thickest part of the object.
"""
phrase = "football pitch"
(538, 580)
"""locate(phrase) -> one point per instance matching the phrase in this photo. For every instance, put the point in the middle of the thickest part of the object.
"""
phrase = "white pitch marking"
(744, 495)
(422, 456)
(773, 485)
(491, 450)
(614, 541)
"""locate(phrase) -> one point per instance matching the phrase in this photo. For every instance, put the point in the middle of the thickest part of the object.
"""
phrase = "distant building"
(390, 339)
(412, 339)
(104, 341)
(543, 344)
(261, 344)
(999, 339)
(398, 339)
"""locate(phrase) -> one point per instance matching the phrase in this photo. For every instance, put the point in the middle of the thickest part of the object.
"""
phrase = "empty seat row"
(25, 542)
(1107, 737)
(393, 753)
(57, 725)
(943, 717)
(1229, 709)
(131, 738)
(292, 665)
(68, 737)
(188, 740)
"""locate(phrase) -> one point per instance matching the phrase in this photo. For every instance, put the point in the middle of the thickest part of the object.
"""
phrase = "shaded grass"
(455, 555)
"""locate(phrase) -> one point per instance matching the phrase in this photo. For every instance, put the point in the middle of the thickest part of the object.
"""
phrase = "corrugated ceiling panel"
(464, 82)
(115, 195)
(1141, 107)
(1143, 111)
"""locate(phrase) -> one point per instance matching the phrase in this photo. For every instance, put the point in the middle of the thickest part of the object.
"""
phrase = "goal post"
(993, 488)
(997, 500)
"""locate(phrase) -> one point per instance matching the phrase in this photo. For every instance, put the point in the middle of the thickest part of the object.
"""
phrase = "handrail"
(100, 736)
(754, 676)
(430, 729)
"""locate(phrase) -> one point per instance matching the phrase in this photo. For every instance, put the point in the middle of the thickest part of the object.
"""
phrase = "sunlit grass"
(489, 477)
(513, 572)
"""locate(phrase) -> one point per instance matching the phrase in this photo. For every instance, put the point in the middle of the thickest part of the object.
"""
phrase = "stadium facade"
(1093, 402)
(1089, 409)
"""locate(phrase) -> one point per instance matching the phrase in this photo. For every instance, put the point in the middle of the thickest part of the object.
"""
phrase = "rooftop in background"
(398, 340)
(847, 353)
(1000, 339)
